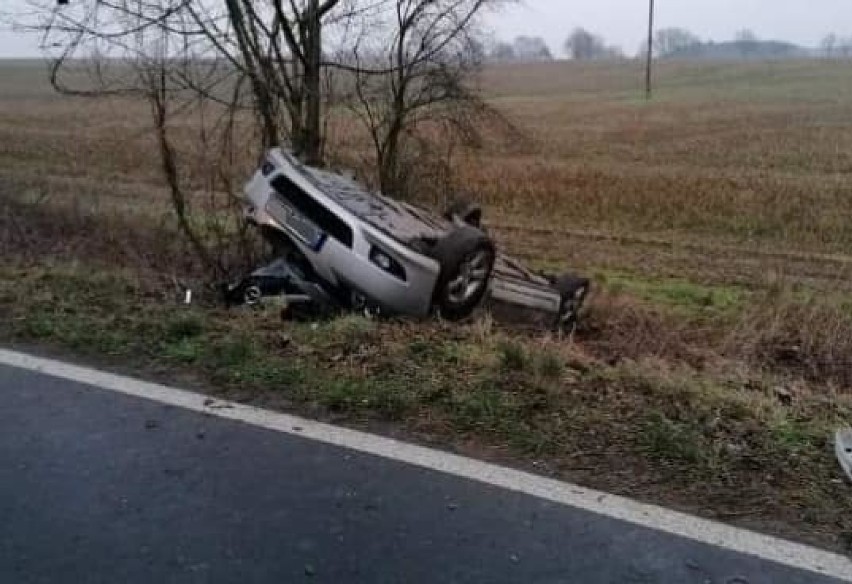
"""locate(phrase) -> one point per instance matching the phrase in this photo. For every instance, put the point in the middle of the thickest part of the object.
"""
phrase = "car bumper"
(351, 268)
(354, 269)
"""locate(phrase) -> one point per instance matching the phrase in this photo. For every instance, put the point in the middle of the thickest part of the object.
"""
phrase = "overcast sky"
(622, 22)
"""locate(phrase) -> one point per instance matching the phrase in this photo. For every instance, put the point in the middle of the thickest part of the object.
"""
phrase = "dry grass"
(738, 153)
(806, 337)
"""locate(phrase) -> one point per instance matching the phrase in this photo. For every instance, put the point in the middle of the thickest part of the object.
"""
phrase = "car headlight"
(387, 263)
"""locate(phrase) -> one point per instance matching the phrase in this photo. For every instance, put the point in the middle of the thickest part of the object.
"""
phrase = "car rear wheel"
(573, 291)
(467, 257)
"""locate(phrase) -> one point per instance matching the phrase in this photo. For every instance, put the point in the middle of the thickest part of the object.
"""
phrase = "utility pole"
(650, 56)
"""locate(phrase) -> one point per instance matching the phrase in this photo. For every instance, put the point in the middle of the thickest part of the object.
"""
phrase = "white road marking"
(680, 524)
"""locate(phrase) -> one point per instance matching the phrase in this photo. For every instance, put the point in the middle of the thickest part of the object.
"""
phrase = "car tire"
(465, 211)
(573, 291)
(466, 256)
(250, 292)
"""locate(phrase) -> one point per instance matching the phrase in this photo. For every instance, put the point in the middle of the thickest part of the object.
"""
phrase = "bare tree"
(278, 46)
(502, 51)
(844, 47)
(747, 42)
(829, 44)
(531, 49)
(614, 52)
(745, 36)
(669, 41)
(420, 82)
(523, 48)
(275, 44)
(583, 45)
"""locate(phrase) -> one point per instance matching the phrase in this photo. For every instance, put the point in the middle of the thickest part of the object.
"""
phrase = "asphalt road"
(101, 487)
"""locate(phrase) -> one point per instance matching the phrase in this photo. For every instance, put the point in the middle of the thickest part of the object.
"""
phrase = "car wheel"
(251, 291)
(573, 291)
(252, 295)
(466, 256)
(466, 212)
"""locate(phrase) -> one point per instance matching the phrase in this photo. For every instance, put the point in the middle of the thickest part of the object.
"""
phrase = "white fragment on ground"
(784, 395)
(843, 450)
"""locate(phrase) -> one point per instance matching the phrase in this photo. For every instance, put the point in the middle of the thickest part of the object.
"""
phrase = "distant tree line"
(581, 45)
(833, 46)
(669, 43)
(522, 49)
(679, 43)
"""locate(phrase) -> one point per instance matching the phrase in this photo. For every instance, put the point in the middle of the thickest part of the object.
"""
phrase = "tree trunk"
(311, 147)
(390, 163)
(264, 101)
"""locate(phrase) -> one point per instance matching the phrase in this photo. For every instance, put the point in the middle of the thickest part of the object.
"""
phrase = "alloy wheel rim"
(472, 276)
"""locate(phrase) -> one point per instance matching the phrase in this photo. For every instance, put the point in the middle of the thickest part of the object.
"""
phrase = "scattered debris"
(284, 340)
(151, 424)
(784, 395)
(692, 565)
(843, 450)
(216, 405)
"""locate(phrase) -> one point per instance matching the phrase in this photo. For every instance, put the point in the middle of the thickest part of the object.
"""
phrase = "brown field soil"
(713, 364)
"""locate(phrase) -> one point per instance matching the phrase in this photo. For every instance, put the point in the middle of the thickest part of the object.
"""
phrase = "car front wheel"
(467, 257)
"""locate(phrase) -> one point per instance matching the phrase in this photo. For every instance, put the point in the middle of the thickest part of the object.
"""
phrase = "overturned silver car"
(339, 246)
